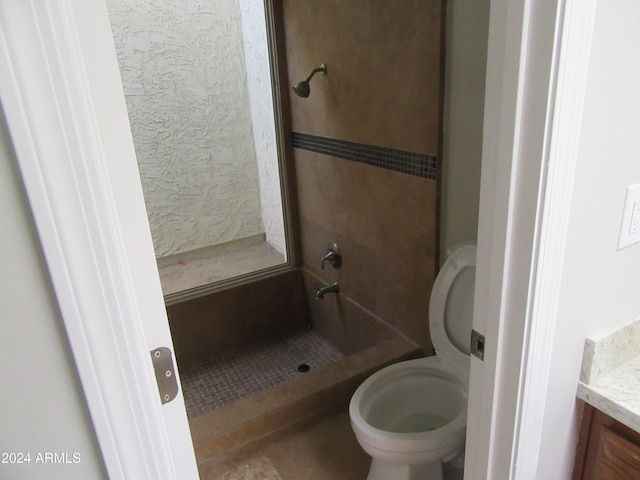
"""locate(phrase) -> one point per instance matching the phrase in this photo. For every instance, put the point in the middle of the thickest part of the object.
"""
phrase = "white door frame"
(536, 79)
(61, 94)
(64, 106)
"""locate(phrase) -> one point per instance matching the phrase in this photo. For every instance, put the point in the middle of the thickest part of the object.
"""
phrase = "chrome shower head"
(302, 88)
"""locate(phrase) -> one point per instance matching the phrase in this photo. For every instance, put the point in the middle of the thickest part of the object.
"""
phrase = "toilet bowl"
(411, 417)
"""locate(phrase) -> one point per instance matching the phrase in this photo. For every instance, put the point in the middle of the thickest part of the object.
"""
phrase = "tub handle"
(333, 257)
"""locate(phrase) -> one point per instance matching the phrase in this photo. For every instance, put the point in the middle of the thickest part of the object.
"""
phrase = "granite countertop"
(610, 376)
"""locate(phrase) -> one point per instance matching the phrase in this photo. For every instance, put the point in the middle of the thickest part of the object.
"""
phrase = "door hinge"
(477, 344)
(165, 373)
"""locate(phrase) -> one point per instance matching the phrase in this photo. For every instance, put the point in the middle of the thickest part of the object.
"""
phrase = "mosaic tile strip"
(243, 371)
(411, 163)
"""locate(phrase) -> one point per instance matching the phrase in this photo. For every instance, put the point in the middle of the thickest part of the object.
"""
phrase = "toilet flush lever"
(333, 257)
(477, 344)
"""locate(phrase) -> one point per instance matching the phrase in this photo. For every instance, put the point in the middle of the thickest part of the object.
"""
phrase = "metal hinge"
(477, 344)
(165, 373)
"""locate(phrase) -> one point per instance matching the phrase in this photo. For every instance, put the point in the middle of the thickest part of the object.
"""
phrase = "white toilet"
(412, 416)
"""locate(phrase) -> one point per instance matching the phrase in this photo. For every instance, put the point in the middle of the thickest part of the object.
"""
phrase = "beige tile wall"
(383, 88)
(211, 324)
(383, 80)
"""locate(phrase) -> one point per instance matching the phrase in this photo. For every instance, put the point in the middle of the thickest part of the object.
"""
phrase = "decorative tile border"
(411, 163)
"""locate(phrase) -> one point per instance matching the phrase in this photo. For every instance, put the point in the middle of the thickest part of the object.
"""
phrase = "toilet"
(411, 417)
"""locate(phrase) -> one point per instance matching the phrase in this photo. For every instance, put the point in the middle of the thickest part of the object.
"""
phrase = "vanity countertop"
(610, 376)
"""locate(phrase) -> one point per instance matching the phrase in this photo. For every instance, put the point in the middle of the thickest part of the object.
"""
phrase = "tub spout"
(331, 288)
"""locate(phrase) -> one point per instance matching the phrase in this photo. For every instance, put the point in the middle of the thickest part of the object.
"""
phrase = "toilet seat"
(451, 307)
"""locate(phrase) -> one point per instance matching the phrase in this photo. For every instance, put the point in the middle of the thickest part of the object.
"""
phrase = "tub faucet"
(331, 288)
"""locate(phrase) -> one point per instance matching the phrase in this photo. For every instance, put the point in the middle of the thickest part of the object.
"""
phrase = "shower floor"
(188, 274)
(243, 371)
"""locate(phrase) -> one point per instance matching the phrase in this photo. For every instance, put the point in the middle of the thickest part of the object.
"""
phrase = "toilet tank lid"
(451, 306)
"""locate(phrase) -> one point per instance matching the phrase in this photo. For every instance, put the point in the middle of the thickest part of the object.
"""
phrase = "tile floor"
(252, 368)
(320, 448)
(259, 415)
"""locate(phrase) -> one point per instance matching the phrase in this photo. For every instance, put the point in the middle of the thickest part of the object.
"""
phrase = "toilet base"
(383, 471)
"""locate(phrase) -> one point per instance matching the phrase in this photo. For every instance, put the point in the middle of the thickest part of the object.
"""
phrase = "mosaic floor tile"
(243, 371)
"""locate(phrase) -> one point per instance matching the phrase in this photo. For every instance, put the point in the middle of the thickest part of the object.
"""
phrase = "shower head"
(302, 88)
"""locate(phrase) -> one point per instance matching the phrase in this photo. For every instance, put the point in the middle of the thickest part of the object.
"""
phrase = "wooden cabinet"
(607, 449)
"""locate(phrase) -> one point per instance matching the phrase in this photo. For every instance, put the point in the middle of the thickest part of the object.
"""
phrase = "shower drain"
(304, 367)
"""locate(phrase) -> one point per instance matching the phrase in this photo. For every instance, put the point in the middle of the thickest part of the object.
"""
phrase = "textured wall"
(262, 115)
(182, 65)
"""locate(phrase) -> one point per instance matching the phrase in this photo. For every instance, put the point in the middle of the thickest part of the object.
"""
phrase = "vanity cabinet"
(607, 449)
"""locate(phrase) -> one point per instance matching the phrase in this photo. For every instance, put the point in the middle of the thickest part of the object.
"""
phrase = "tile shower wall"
(232, 317)
(381, 97)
